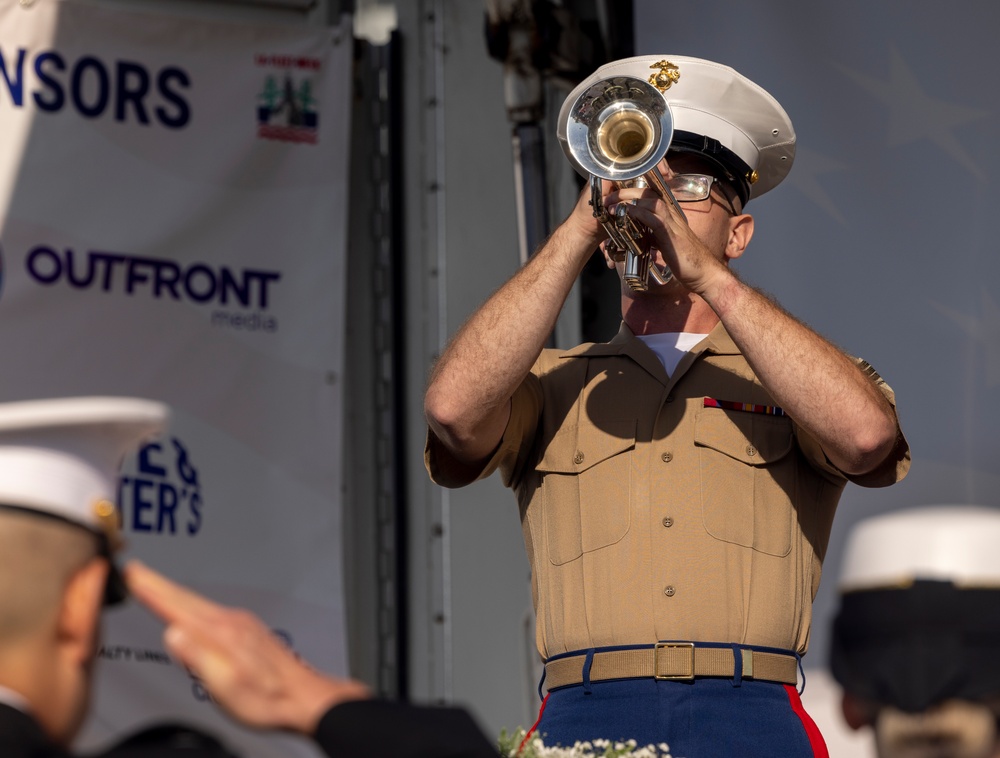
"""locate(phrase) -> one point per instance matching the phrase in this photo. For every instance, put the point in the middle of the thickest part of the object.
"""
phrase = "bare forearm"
(818, 385)
(468, 398)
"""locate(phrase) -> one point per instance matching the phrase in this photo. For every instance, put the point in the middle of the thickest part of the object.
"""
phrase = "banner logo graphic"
(286, 104)
(220, 286)
(163, 495)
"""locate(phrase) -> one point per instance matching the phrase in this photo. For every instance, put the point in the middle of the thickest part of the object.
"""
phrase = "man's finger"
(198, 654)
(168, 600)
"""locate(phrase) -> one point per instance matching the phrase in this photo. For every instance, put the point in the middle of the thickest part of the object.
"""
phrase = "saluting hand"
(250, 673)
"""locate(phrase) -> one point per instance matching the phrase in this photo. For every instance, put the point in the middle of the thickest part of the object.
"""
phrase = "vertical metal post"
(530, 187)
(391, 500)
(376, 488)
(440, 596)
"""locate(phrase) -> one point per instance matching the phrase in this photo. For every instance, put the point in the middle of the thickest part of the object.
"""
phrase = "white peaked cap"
(956, 543)
(62, 457)
(715, 101)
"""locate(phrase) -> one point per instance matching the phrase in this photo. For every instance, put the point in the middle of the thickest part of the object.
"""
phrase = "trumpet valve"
(621, 216)
(636, 271)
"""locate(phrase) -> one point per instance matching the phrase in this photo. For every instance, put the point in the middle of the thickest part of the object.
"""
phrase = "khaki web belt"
(682, 661)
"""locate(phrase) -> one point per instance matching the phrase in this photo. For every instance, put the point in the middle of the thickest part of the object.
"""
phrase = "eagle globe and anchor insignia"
(667, 75)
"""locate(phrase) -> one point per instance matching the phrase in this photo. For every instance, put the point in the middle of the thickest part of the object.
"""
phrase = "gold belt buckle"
(656, 659)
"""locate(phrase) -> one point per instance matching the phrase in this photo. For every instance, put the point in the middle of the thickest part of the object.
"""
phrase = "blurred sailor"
(59, 462)
(916, 640)
(59, 467)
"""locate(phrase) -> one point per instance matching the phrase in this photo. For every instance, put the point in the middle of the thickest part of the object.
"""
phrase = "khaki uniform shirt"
(648, 516)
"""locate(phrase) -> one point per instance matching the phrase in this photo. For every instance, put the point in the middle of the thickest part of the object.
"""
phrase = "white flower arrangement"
(514, 746)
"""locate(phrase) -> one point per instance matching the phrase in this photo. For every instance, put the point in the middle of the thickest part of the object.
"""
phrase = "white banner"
(172, 226)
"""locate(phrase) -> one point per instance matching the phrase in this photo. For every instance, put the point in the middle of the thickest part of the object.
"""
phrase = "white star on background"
(984, 331)
(808, 166)
(914, 115)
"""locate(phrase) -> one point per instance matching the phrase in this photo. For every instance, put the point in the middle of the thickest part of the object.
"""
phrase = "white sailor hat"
(60, 458)
(919, 616)
(949, 543)
(717, 112)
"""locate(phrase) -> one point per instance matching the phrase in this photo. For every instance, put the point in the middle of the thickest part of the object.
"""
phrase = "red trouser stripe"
(812, 731)
(534, 726)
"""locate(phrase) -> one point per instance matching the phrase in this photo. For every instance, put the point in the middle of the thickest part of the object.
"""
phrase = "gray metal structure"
(470, 628)
(438, 583)
(468, 578)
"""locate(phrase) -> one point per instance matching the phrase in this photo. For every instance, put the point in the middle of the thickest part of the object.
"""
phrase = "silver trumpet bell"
(619, 129)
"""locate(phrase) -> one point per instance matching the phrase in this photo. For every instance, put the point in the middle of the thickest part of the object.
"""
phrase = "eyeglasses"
(690, 188)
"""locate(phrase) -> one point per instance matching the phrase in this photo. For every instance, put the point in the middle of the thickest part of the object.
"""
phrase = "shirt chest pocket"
(748, 478)
(587, 488)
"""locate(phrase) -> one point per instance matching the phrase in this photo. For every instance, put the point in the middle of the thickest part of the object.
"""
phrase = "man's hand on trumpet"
(695, 239)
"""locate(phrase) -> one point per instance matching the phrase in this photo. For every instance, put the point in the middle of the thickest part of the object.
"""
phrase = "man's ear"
(740, 233)
(857, 713)
(79, 615)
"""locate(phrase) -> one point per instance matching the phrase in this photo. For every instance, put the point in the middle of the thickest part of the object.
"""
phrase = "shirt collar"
(626, 343)
(14, 699)
(717, 341)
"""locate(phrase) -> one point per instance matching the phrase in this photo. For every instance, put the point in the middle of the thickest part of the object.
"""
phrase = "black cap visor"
(915, 647)
(732, 168)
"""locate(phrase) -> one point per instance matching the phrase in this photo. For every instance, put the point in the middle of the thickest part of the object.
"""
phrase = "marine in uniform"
(676, 485)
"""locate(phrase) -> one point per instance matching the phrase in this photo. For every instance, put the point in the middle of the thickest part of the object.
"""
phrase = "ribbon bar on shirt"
(732, 405)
